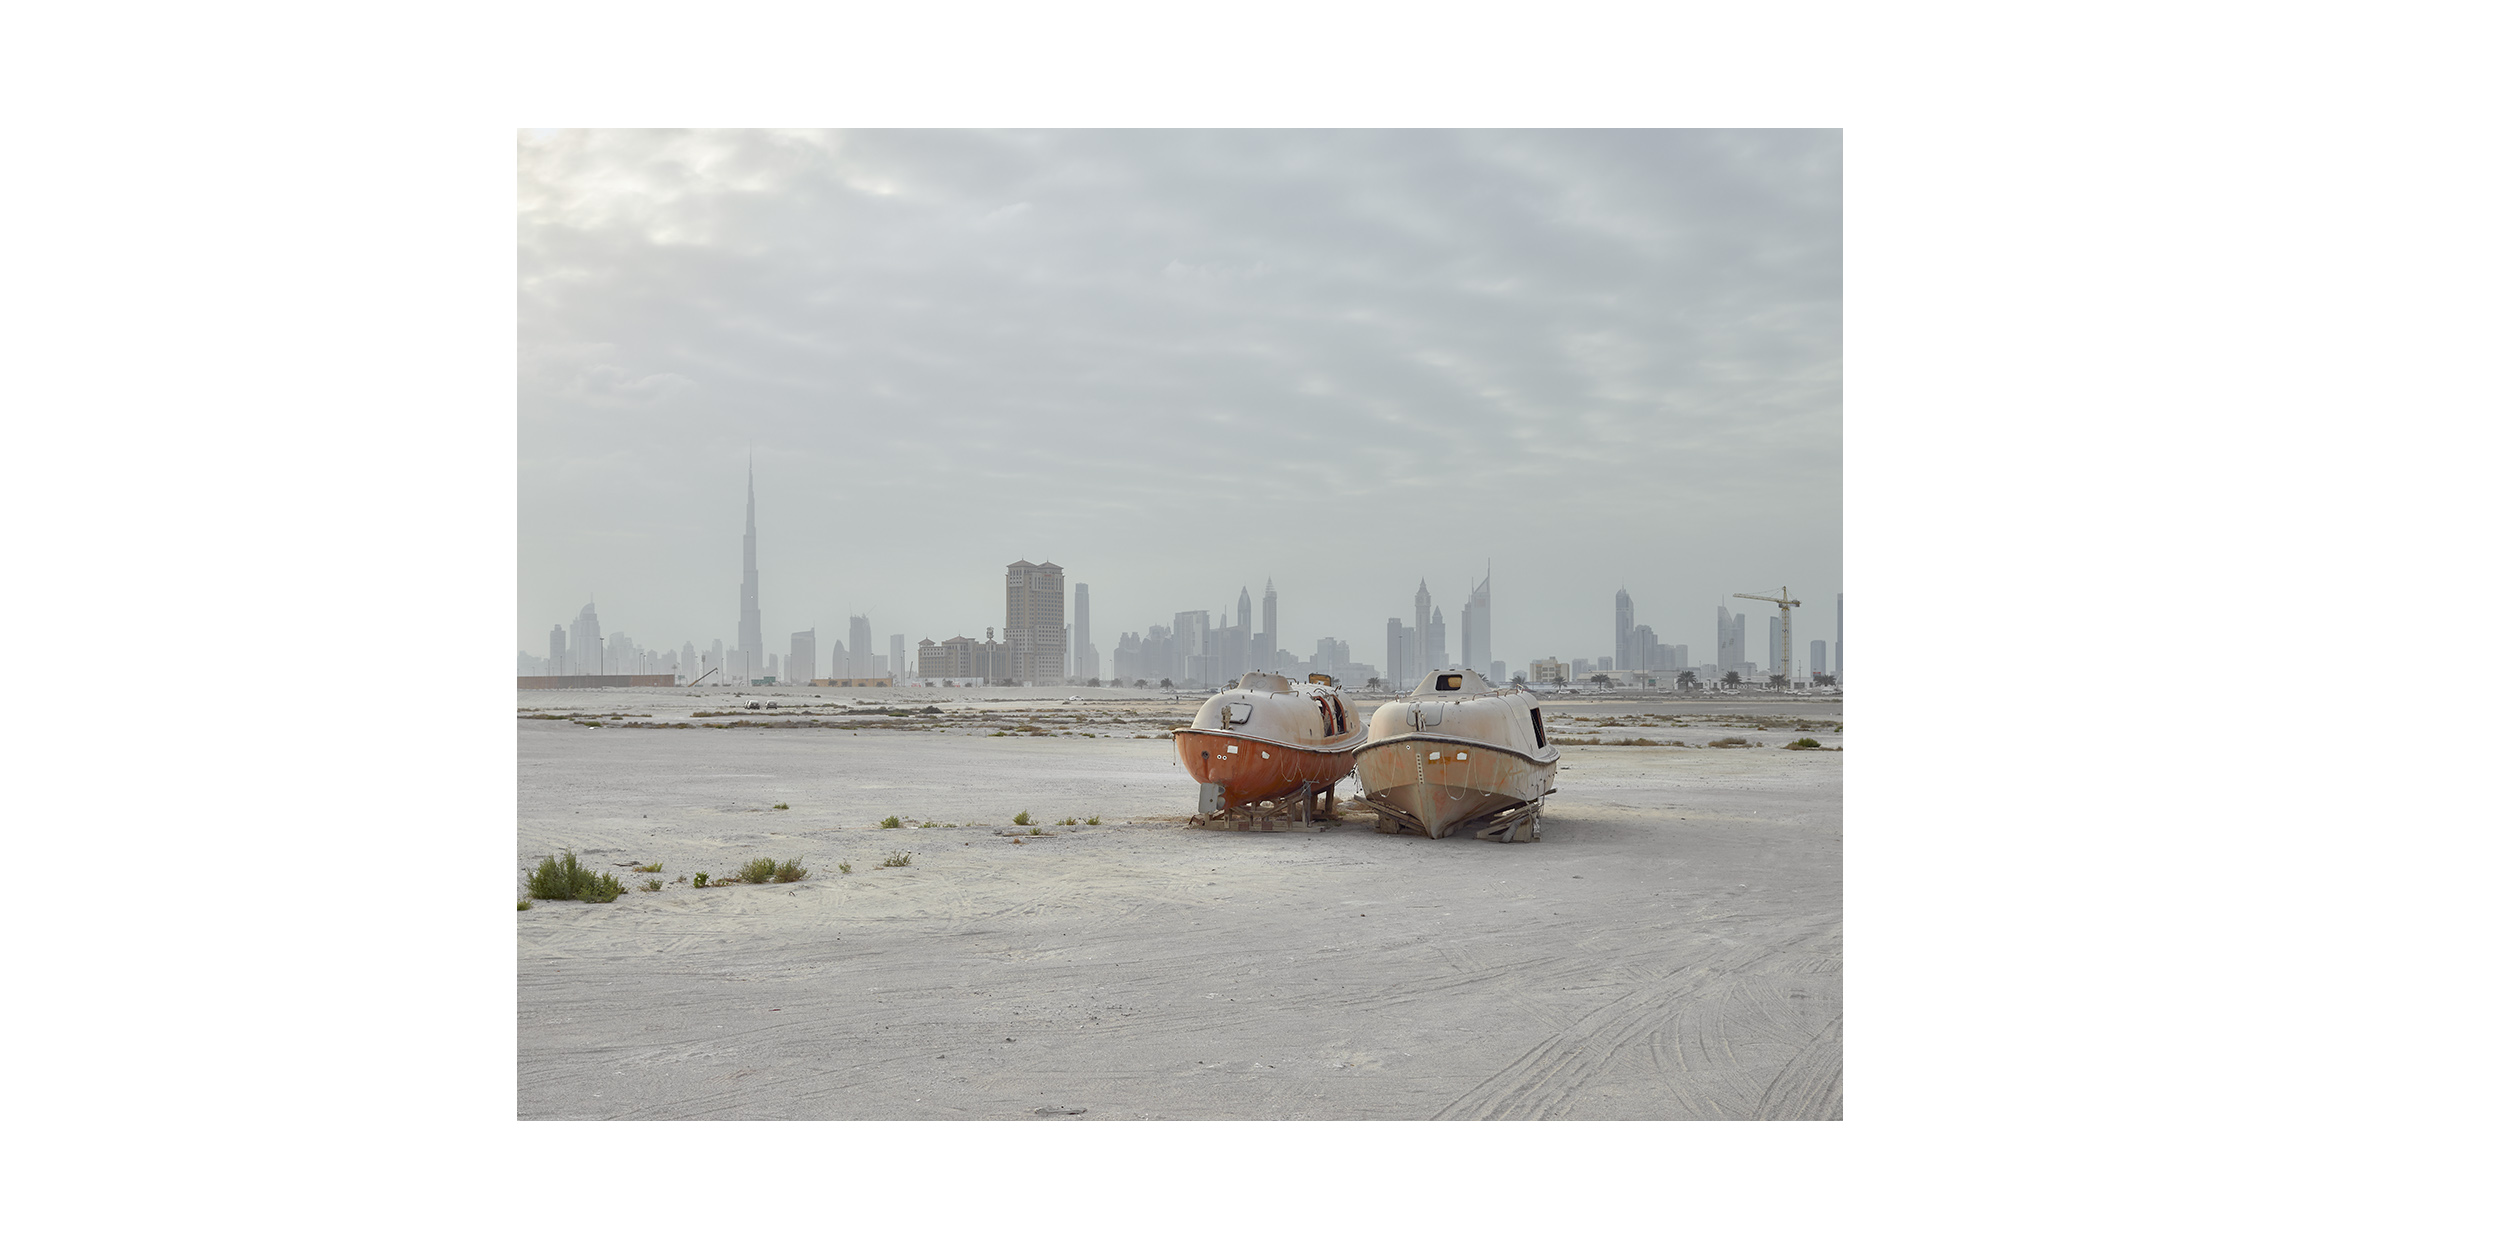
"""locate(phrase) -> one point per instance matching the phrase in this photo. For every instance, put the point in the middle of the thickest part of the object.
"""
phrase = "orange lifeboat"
(1270, 738)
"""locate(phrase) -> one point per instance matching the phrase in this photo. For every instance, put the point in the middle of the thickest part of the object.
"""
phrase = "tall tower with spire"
(750, 616)
(1267, 626)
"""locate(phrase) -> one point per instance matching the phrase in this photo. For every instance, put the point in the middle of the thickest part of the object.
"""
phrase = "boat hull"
(1253, 770)
(1441, 785)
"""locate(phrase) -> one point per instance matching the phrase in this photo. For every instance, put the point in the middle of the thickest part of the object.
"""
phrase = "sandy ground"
(1670, 950)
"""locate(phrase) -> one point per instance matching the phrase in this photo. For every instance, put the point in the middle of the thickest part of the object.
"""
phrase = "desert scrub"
(1729, 742)
(900, 859)
(653, 866)
(1804, 744)
(650, 887)
(569, 878)
(890, 822)
(1093, 820)
(702, 880)
(1067, 820)
(1024, 818)
(762, 870)
(781, 807)
(525, 905)
(845, 867)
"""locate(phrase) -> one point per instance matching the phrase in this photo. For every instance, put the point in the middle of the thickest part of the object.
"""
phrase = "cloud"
(1627, 342)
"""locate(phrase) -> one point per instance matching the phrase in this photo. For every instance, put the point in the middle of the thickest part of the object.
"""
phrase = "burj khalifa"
(750, 617)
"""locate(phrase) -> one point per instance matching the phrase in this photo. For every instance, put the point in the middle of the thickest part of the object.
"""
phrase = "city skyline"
(1230, 643)
(1612, 358)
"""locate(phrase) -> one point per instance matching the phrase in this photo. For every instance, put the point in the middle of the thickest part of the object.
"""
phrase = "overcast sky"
(1177, 364)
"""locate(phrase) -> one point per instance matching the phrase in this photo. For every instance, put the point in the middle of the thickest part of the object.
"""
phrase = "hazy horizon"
(1177, 364)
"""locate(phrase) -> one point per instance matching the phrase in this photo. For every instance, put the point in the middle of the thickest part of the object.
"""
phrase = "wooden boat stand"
(1298, 810)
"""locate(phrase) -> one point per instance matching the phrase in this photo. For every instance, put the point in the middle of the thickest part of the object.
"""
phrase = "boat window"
(1448, 681)
(1237, 714)
(1536, 717)
(1339, 704)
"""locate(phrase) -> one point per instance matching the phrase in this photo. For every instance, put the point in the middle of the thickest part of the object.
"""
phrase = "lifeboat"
(1458, 753)
(1270, 739)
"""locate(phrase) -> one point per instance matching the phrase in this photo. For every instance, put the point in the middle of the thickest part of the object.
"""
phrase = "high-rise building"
(1776, 655)
(586, 656)
(1267, 627)
(1815, 665)
(1731, 639)
(1623, 630)
(802, 666)
(1423, 629)
(863, 646)
(1399, 666)
(1475, 625)
(1037, 623)
(1437, 642)
(1081, 643)
(555, 651)
(750, 611)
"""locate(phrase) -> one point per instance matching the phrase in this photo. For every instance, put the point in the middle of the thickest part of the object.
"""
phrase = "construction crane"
(1787, 673)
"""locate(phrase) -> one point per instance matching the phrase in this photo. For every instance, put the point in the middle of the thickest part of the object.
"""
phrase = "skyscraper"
(1625, 656)
(802, 666)
(1037, 623)
(1816, 664)
(1437, 642)
(1081, 641)
(1267, 627)
(863, 645)
(555, 652)
(1423, 616)
(1475, 626)
(750, 614)
(1731, 640)
(586, 656)
(1399, 663)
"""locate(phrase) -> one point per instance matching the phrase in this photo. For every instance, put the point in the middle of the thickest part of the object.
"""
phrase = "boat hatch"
(1425, 715)
(1447, 681)
(1536, 720)
(1236, 713)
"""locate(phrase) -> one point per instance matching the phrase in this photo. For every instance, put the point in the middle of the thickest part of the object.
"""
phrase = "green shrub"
(845, 866)
(1067, 820)
(781, 807)
(569, 878)
(653, 866)
(900, 859)
(788, 871)
(758, 871)
(525, 905)
(1804, 744)
(890, 822)
(1729, 742)
(651, 887)
(1024, 818)
(1093, 820)
(702, 880)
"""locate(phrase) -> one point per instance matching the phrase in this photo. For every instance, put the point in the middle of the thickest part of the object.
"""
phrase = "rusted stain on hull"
(1269, 738)
(1252, 771)
(1440, 795)
(1457, 752)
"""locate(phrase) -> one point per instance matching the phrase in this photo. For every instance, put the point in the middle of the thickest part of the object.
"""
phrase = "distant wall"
(578, 682)
(852, 681)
